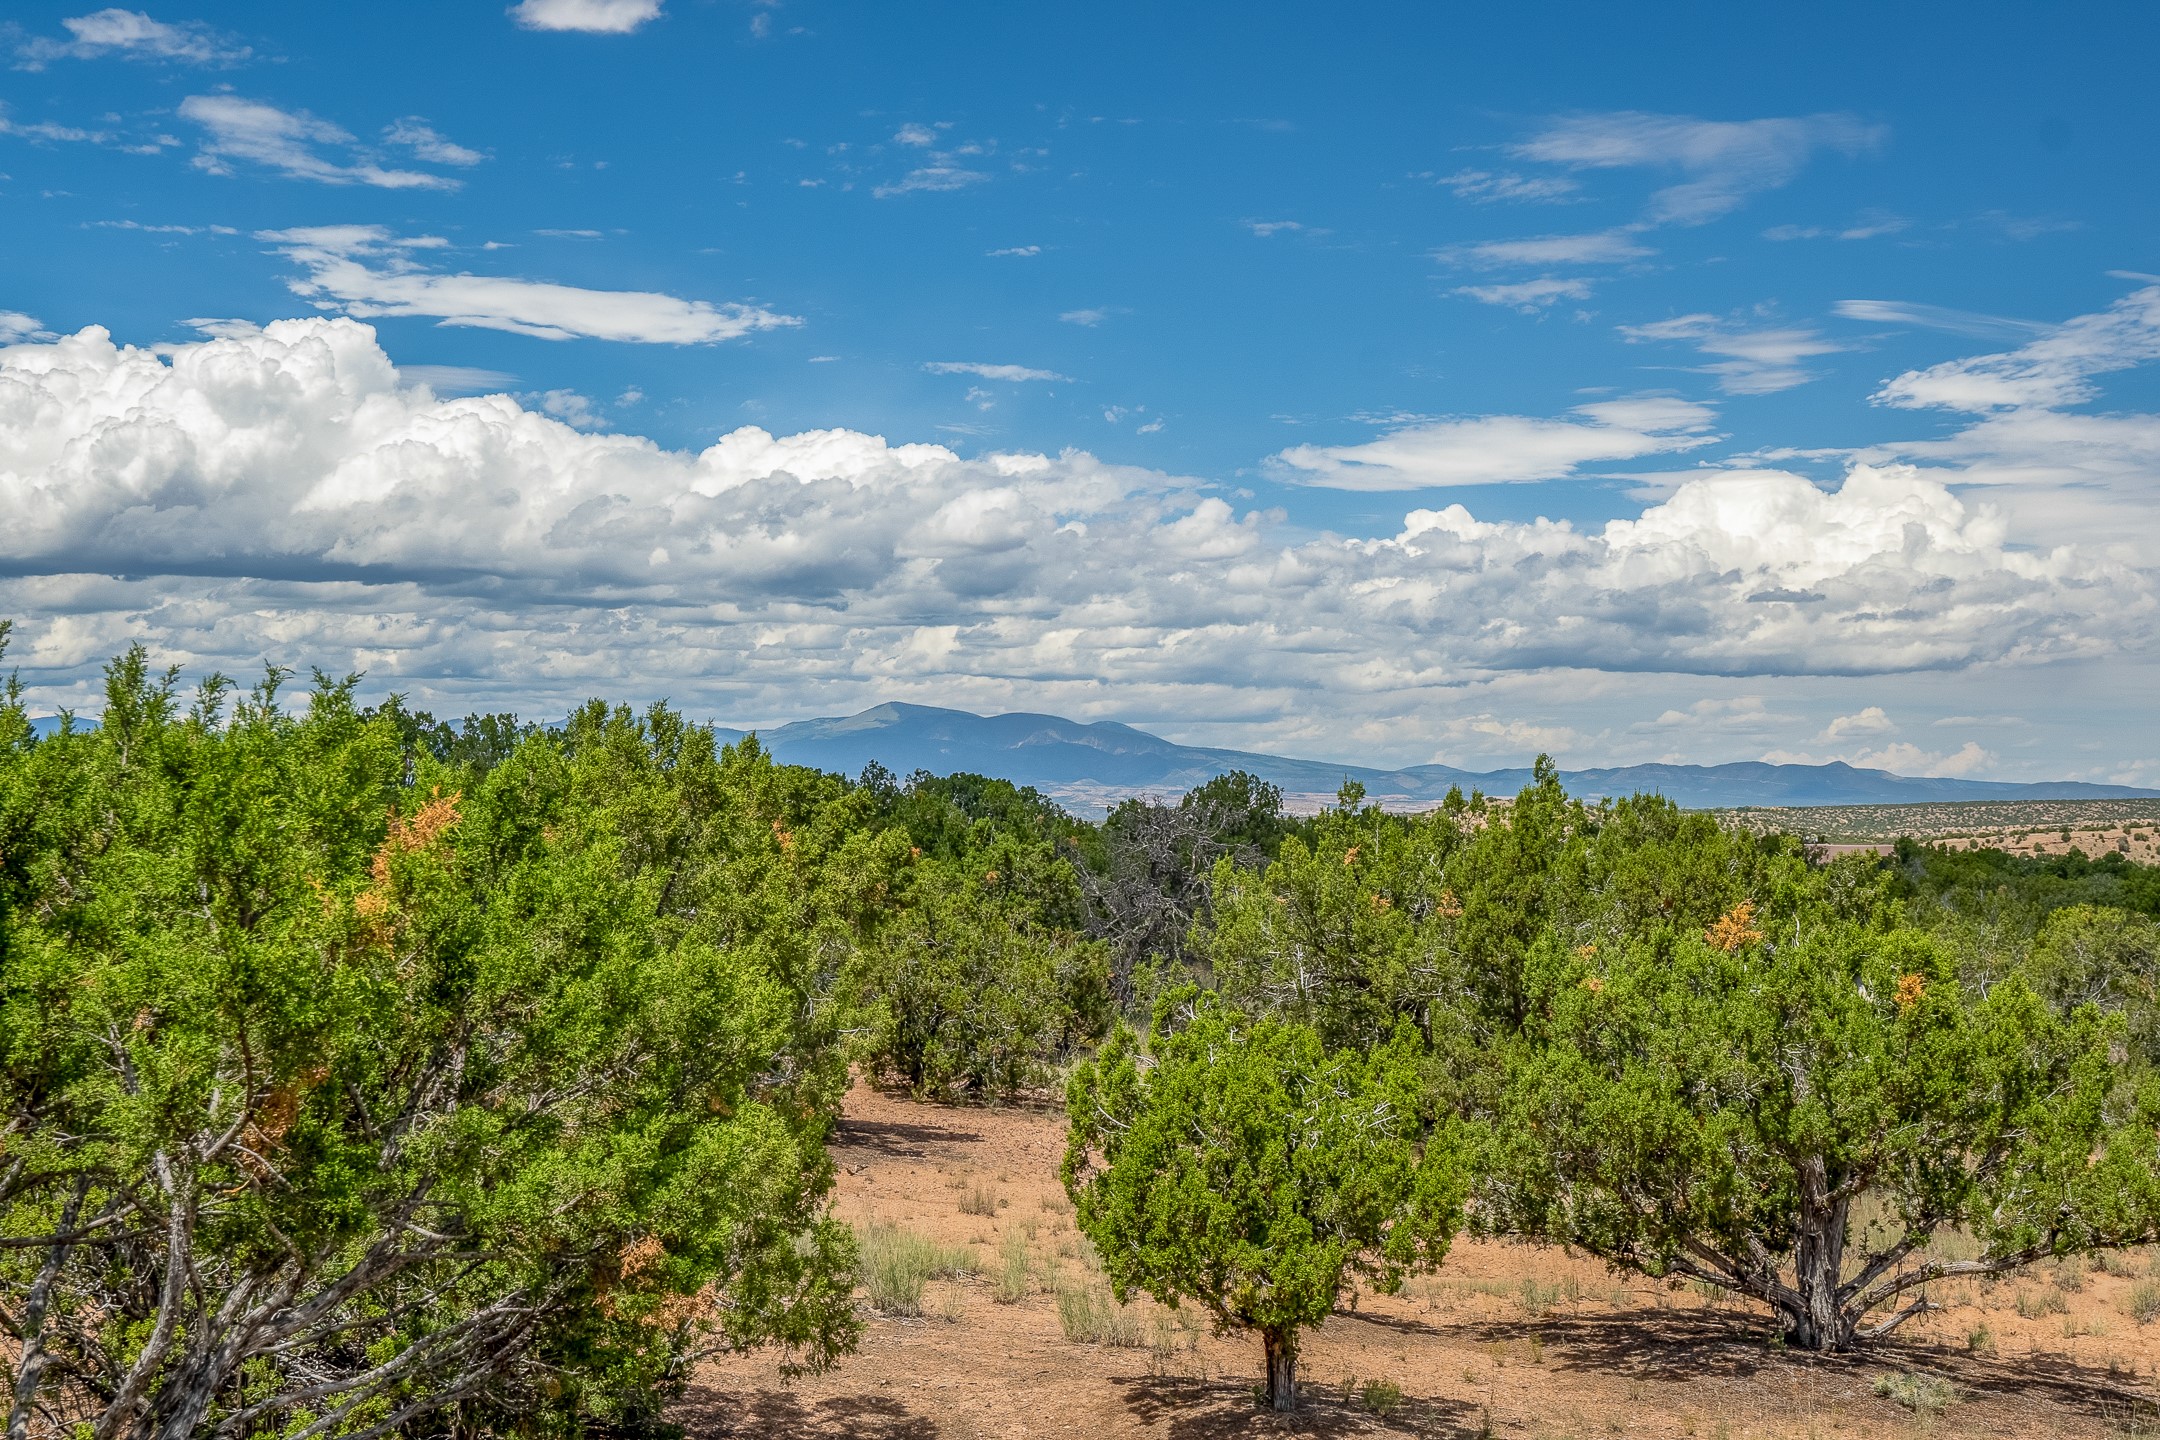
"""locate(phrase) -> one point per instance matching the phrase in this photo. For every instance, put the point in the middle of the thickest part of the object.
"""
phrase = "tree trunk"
(1281, 1368)
(1815, 1320)
(1815, 1317)
(30, 1373)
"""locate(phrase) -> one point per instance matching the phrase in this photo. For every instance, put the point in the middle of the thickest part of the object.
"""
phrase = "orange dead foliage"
(407, 834)
(1735, 928)
(1909, 990)
(417, 831)
(279, 1110)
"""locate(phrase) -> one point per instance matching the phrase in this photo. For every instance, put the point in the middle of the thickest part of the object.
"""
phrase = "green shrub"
(2144, 1302)
(964, 995)
(1846, 1051)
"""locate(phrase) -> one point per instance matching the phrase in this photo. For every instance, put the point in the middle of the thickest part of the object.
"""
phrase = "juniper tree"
(1243, 1167)
(1728, 1105)
(336, 1099)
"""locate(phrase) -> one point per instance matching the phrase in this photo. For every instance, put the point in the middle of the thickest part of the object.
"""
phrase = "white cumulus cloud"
(286, 491)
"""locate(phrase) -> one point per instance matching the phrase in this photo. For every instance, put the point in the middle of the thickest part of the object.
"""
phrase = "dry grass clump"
(981, 1200)
(1014, 1278)
(896, 1264)
(1382, 1397)
(1921, 1394)
(1091, 1315)
(2046, 1302)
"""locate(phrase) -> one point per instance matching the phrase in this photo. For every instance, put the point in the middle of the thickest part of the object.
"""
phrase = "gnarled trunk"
(1813, 1311)
(1281, 1368)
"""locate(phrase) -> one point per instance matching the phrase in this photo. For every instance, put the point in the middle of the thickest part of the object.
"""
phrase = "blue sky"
(1792, 372)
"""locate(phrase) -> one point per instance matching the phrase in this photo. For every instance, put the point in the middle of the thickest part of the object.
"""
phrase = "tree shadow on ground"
(707, 1413)
(1689, 1346)
(1191, 1409)
(898, 1138)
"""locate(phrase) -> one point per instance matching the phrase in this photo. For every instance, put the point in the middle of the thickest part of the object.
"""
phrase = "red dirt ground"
(1471, 1349)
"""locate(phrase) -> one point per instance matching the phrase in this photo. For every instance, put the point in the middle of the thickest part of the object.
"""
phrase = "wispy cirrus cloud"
(1748, 361)
(365, 270)
(594, 17)
(932, 179)
(1723, 162)
(1011, 373)
(52, 132)
(140, 228)
(290, 142)
(1874, 227)
(1488, 186)
(1937, 317)
(938, 163)
(1600, 247)
(1502, 449)
(1528, 296)
(2055, 369)
(131, 35)
(416, 135)
(16, 327)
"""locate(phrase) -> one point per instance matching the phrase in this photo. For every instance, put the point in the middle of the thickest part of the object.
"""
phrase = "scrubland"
(1013, 1333)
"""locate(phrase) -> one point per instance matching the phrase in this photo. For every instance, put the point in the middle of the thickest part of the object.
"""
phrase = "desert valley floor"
(1506, 1340)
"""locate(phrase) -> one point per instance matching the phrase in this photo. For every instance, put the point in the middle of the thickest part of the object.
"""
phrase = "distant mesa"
(1089, 767)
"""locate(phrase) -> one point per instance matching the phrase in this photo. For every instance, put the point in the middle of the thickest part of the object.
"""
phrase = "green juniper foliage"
(1716, 1106)
(344, 1086)
(361, 1073)
(1253, 1172)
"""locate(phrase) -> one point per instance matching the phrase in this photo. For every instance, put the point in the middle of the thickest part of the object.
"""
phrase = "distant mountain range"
(1089, 767)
